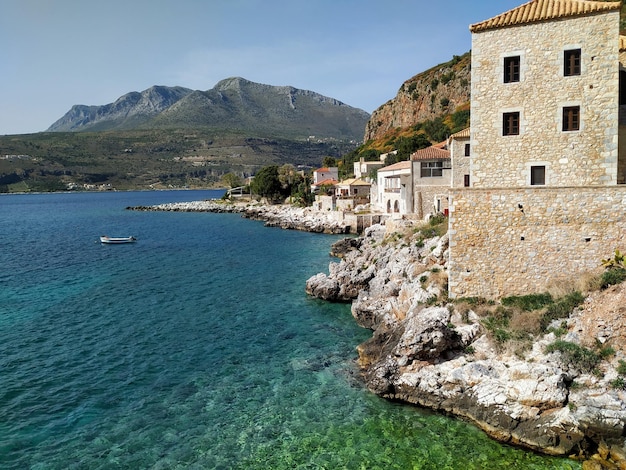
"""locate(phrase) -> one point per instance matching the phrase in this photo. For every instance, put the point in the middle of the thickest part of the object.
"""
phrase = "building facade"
(431, 179)
(542, 201)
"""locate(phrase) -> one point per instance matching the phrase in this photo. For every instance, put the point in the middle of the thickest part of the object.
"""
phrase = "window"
(511, 69)
(392, 184)
(467, 150)
(466, 180)
(571, 62)
(510, 123)
(537, 175)
(571, 118)
(431, 169)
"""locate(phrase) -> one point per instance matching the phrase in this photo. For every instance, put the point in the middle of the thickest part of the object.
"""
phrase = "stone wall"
(460, 162)
(518, 241)
(588, 156)
(430, 194)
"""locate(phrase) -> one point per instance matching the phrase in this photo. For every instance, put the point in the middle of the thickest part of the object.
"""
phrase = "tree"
(267, 184)
(232, 180)
(287, 175)
(329, 162)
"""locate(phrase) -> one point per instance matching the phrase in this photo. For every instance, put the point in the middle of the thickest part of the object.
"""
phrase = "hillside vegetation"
(177, 137)
(145, 159)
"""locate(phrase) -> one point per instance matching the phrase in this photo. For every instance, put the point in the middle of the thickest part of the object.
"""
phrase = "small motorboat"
(116, 240)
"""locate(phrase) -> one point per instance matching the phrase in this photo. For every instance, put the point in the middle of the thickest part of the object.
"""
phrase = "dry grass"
(526, 322)
(585, 282)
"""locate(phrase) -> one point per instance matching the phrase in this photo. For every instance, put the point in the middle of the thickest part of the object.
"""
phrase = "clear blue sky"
(57, 53)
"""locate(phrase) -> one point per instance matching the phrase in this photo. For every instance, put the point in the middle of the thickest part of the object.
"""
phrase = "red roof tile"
(431, 153)
(541, 10)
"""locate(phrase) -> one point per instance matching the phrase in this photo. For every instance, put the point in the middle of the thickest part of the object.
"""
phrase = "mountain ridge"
(234, 103)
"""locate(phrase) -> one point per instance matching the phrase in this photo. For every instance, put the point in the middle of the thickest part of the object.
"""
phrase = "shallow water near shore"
(195, 347)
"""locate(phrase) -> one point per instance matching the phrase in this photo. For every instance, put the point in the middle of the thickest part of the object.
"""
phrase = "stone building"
(432, 176)
(543, 200)
(460, 151)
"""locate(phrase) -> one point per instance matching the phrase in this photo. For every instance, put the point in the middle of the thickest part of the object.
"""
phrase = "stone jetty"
(284, 216)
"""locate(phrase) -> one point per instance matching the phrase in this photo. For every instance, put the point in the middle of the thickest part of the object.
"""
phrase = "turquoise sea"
(195, 347)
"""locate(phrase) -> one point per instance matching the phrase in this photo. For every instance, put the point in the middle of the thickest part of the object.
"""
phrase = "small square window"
(571, 62)
(511, 69)
(467, 150)
(537, 175)
(571, 118)
(510, 123)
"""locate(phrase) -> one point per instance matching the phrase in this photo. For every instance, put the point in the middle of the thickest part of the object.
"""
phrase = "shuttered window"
(510, 123)
(571, 118)
(571, 62)
(511, 69)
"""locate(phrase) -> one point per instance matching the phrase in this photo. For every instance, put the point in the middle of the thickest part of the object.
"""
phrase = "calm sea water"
(196, 347)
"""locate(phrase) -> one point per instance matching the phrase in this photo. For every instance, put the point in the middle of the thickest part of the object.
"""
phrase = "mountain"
(127, 112)
(434, 93)
(233, 104)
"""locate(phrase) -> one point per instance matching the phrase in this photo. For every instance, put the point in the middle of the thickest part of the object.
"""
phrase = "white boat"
(116, 240)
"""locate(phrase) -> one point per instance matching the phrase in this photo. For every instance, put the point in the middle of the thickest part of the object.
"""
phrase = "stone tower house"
(545, 201)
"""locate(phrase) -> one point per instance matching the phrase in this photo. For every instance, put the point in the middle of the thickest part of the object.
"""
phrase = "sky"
(58, 53)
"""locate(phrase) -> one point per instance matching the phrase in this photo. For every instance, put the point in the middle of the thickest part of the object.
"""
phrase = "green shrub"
(501, 336)
(436, 220)
(618, 383)
(561, 308)
(474, 301)
(578, 357)
(606, 352)
(612, 276)
(621, 368)
(528, 303)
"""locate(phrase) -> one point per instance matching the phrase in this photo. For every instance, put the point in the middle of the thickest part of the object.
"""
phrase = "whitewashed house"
(394, 188)
(363, 169)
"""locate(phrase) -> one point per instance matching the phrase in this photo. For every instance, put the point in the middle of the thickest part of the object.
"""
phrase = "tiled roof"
(405, 165)
(354, 182)
(541, 10)
(327, 182)
(431, 153)
(622, 43)
(464, 134)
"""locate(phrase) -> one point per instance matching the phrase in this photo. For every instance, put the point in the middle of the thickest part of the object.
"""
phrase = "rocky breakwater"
(279, 215)
(463, 358)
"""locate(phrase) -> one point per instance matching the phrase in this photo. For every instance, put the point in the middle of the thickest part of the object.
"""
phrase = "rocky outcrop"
(430, 94)
(426, 352)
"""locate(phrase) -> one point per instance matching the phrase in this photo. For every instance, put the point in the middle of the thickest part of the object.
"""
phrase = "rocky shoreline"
(280, 215)
(438, 354)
